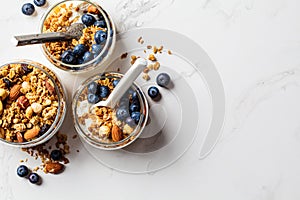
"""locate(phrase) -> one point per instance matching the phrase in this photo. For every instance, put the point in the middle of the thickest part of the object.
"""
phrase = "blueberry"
(88, 56)
(80, 61)
(124, 102)
(122, 113)
(34, 178)
(7, 82)
(163, 79)
(93, 98)
(130, 121)
(44, 128)
(115, 82)
(22, 171)
(134, 96)
(79, 49)
(39, 2)
(96, 49)
(93, 88)
(136, 117)
(153, 92)
(103, 91)
(100, 24)
(100, 37)
(56, 154)
(68, 57)
(88, 19)
(134, 107)
(28, 9)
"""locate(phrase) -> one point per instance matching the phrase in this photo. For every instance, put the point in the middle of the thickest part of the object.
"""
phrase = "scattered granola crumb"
(155, 49)
(150, 67)
(124, 55)
(139, 39)
(146, 77)
(74, 136)
(145, 51)
(77, 150)
(152, 57)
(160, 49)
(156, 65)
(133, 59)
(36, 169)
(149, 47)
(169, 52)
(118, 70)
(146, 70)
(21, 161)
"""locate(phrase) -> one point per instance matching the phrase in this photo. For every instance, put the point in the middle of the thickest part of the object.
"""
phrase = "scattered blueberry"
(7, 82)
(39, 3)
(115, 82)
(136, 117)
(153, 92)
(103, 91)
(34, 178)
(93, 88)
(56, 154)
(96, 49)
(93, 98)
(44, 128)
(100, 37)
(88, 19)
(28, 9)
(100, 24)
(130, 121)
(100, 17)
(163, 79)
(68, 57)
(79, 49)
(22, 171)
(122, 113)
(134, 107)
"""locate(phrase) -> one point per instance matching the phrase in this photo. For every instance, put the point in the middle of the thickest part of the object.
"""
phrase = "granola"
(28, 108)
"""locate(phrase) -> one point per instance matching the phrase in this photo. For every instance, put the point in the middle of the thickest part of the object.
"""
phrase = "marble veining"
(5, 187)
(260, 92)
(135, 13)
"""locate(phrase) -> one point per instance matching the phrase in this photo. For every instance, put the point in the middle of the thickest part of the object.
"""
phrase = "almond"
(23, 102)
(31, 133)
(116, 133)
(54, 167)
(49, 86)
(19, 137)
(15, 92)
(1, 107)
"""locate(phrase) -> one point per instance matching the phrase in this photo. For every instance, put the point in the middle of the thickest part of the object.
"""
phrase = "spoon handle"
(126, 81)
(23, 40)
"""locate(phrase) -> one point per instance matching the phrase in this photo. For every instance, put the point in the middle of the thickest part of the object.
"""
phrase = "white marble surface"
(255, 45)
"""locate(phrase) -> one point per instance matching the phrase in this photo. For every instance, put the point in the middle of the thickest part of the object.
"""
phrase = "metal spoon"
(123, 85)
(73, 32)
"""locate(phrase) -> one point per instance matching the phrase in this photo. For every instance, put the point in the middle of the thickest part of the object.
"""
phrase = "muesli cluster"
(104, 124)
(28, 102)
(94, 35)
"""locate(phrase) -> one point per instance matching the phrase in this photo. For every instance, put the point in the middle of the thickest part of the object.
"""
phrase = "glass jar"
(60, 16)
(32, 105)
(109, 128)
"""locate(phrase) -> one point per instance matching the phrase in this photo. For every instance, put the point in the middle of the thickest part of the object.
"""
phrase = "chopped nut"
(3, 94)
(36, 107)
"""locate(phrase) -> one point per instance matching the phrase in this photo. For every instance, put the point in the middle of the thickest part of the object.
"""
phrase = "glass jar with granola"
(104, 127)
(96, 43)
(32, 103)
